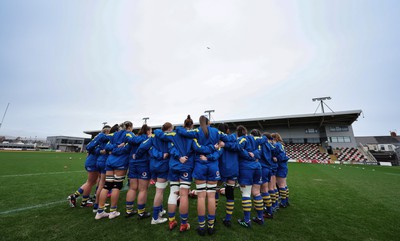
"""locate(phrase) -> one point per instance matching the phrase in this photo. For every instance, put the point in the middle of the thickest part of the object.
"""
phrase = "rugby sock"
(258, 206)
(85, 198)
(210, 221)
(95, 206)
(230, 204)
(171, 216)
(184, 218)
(276, 198)
(272, 195)
(202, 221)
(216, 198)
(267, 201)
(78, 192)
(113, 209)
(156, 210)
(287, 195)
(141, 208)
(101, 209)
(129, 207)
(282, 193)
(246, 204)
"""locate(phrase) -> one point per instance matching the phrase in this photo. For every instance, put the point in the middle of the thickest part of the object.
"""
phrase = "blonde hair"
(125, 125)
(277, 137)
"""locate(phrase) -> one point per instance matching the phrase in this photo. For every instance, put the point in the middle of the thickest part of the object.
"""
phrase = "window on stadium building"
(311, 131)
(313, 140)
(339, 128)
(340, 139)
(297, 140)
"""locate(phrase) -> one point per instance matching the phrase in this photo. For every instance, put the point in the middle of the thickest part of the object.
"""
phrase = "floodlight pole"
(322, 103)
(104, 123)
(145, 119)
(209, 113)
(5, 112)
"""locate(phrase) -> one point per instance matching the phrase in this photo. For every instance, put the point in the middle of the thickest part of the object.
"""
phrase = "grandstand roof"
(320, 119)
(378, 139)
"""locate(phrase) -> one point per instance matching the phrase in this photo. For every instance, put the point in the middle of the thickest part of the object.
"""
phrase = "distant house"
(383, 148)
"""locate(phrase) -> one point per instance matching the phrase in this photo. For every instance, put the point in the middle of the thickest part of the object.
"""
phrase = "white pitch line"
(44, 205)
(37, 174)
(395, 174)
(32, 207)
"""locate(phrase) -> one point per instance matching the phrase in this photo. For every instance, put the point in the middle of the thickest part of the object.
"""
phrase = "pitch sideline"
(42, 173)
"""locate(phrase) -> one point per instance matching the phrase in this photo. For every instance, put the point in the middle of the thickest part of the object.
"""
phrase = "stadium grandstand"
(311, 138)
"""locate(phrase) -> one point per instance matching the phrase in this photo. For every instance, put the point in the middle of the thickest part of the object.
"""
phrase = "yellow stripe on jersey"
(196, 142)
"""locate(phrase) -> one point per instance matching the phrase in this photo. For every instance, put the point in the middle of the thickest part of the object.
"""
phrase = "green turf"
(328, 202)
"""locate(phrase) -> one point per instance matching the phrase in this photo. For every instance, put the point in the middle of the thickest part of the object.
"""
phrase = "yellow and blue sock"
(202, 221)
(267, 201)
(246, 204)
(276, 197)
(287, 195)
(78, 192)
(230, 204)
(184, 218)
(210, 221)
(129, 207)
(282, 193)
(113, 209)
(100, 209)
(141, 208)
(171, 216)
(85, 198)
(259, 206)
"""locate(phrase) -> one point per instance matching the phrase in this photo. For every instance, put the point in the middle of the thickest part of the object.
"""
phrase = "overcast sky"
(68, 66)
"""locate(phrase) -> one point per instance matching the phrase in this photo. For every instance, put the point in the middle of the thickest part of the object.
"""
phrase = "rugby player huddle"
(212, 157)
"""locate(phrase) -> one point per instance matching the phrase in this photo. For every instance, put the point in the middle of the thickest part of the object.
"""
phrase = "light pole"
(145, 119)
(209, 114)
(104, 123)
(322, 103)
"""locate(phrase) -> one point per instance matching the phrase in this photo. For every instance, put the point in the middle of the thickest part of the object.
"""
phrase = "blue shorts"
(139, 172)
(250, 177)
(207, 171)
(159, 169)
(91, 163)
(282, 170)
(117, 162)
(101, 166)
(225, 179)
(265, 174)
(177, 175)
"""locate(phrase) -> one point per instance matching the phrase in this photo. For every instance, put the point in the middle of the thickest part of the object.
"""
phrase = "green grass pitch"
(328, 202)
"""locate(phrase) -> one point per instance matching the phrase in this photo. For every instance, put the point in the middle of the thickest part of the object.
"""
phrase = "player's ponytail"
(277, 137)
(241, 131)
(144, 129)
(115, 128)
(188, 122)
(255, 132)
(224, 128)
(106, 129)
(126, 125)
(204, 125)
(166, 126)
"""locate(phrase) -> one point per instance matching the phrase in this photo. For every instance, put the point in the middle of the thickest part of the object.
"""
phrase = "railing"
(368, 154)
